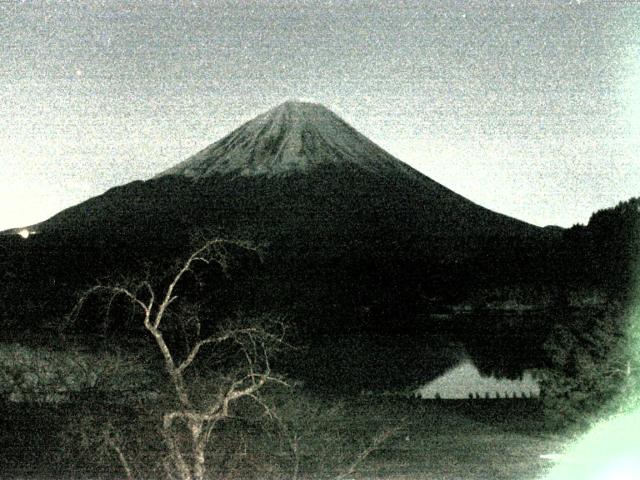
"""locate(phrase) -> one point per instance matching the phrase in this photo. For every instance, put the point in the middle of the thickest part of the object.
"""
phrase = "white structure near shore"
(465, 381)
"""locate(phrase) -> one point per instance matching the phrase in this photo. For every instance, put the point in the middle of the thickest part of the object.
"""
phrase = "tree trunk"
(174, 450)
(199, 444)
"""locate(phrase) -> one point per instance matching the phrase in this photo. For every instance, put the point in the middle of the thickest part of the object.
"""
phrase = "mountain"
(356, 242)
(304, 156)
(313, 191)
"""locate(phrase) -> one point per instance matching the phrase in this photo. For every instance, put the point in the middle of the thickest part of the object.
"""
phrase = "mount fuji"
(297, 164)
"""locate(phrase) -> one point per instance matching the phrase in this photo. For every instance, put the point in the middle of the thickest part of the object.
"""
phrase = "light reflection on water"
(465, 379)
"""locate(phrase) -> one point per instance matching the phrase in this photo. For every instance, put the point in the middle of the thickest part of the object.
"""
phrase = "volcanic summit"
(294, 136)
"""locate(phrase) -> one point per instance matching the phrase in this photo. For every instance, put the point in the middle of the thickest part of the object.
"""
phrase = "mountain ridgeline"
(356, 244)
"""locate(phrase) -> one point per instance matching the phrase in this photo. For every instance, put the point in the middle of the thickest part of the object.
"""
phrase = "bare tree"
(195, 414)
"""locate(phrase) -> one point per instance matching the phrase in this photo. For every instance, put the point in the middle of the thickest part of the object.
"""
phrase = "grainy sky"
(528, 108)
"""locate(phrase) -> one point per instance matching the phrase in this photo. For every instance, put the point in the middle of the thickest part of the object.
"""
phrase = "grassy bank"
(435, 440)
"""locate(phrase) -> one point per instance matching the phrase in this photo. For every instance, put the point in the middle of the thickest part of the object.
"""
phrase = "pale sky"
(530, 108)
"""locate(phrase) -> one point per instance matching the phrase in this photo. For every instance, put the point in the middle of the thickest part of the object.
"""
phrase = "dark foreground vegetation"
(333, 279)
(318, 438)
(180, 373)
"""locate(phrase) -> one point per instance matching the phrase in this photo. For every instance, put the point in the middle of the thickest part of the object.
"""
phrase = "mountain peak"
(294, 105)
(292, 136)
(299, 113)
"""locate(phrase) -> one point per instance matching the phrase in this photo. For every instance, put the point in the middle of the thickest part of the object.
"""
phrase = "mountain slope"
(294, 136)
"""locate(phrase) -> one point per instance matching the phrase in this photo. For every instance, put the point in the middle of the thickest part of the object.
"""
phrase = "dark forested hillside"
(604, 254)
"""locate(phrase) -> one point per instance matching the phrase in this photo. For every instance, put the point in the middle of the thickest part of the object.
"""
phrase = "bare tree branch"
(254, 341)
(376, 443)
